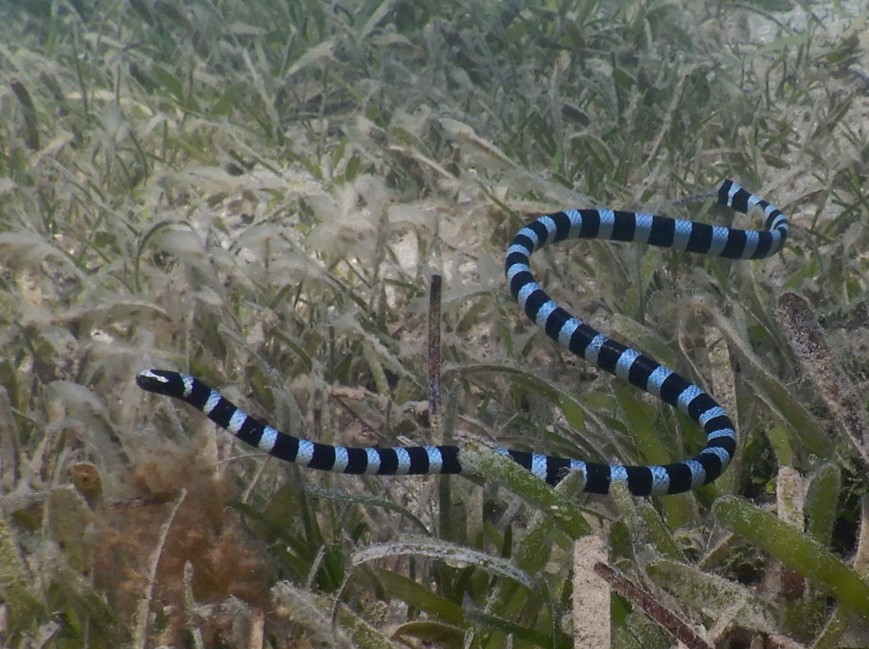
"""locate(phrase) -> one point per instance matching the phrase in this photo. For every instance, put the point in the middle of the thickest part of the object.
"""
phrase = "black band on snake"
(570, 332)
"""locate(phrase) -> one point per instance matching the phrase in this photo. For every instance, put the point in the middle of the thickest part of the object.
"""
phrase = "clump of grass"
(259, 192)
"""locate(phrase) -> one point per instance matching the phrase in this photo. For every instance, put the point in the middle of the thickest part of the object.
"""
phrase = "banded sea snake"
(568, 331)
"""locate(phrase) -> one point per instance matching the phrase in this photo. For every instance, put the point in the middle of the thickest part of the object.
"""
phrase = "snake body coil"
(568, 331)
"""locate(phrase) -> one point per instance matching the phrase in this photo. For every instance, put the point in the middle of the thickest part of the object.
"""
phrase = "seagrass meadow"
(307, 205)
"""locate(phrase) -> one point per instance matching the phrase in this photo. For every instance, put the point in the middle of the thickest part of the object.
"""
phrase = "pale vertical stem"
(141, 630)
(591, 595)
